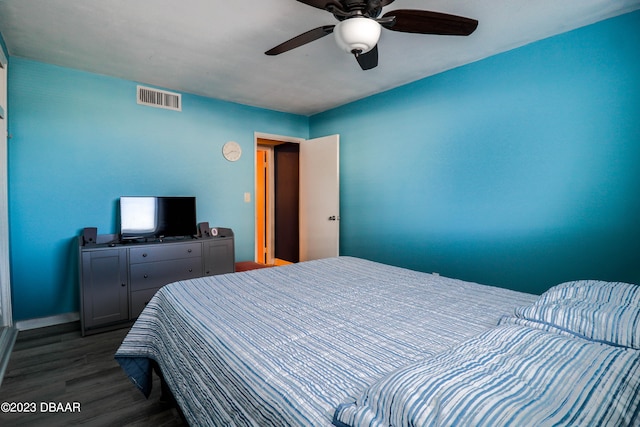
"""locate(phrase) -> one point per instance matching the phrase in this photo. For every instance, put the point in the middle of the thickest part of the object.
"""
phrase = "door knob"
(332, 218)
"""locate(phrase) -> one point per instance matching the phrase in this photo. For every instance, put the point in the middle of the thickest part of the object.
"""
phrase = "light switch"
(247, 197)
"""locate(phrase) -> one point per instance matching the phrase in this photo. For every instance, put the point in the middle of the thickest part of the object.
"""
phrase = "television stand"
(118, 278)
(174, 238)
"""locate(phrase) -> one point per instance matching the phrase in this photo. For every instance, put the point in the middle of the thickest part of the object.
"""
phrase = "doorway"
(297, 198)
(277, 201)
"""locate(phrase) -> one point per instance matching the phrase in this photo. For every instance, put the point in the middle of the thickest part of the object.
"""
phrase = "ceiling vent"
(159, 98)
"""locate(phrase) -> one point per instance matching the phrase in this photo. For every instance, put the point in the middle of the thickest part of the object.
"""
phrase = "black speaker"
(204, 230)
(89, 235)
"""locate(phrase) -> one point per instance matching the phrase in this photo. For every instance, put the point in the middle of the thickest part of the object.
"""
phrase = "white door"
(319, 198)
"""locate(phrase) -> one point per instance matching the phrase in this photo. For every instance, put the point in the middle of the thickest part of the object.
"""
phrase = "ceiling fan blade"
(368, 6)
(374, 7)
(322, 4)
(368, 60)
(426, 22)
(302, 39)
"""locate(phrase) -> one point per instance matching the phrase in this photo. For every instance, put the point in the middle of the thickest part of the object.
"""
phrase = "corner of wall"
(3, 48)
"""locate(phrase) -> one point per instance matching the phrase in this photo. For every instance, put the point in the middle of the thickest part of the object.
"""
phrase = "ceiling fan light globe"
(357, 34)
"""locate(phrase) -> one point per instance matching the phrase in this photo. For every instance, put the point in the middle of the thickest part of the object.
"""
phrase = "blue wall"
(520, 170)
(80, 141)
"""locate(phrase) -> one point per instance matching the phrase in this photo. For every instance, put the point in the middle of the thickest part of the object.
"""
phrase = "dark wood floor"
(58, 365)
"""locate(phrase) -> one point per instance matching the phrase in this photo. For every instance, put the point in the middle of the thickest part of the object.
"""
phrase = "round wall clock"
(231, 151)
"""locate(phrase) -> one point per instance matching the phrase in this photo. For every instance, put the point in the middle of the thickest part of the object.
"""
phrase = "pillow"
(607, 312)
(511, 375)
(593, 290)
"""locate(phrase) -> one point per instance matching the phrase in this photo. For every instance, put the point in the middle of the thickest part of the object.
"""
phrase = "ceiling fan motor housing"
(357, 35)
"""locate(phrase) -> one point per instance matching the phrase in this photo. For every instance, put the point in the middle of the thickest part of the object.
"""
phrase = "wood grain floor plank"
(58, 365)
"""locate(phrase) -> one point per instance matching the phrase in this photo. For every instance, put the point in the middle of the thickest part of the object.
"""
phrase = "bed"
(350, 342)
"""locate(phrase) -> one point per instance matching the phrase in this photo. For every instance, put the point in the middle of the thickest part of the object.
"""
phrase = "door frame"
(6, 313)
(270, 202)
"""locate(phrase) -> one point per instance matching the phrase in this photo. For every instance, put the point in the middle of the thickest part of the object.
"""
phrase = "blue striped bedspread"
(512, 375)
(287, 345)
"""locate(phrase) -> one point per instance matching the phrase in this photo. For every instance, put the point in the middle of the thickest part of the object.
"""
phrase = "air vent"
(159, 98)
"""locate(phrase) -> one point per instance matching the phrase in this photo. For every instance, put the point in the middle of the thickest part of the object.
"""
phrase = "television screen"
(154, 217)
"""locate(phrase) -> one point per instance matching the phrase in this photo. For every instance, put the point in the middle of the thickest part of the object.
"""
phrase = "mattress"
(288, 345)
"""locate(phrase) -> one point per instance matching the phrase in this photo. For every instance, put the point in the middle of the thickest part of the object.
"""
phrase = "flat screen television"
(157, 217)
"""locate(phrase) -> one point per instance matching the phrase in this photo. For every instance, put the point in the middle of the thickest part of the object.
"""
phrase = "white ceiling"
(216, 48)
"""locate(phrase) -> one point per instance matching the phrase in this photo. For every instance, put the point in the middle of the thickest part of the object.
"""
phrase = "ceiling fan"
(359, 28)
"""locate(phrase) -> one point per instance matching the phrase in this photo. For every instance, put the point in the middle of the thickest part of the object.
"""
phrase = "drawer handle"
(123, 284)
(146, 276)
(190, 270)
(144, 255)
(189, 250)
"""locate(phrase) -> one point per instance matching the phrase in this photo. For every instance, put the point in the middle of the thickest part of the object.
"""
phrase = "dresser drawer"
(164, 252)
(139, 301)
(150, 275)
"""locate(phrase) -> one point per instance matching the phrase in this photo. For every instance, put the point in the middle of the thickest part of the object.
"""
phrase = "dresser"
(117, 280)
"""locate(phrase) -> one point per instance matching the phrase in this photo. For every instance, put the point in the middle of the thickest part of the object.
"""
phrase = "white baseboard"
(43, 322)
